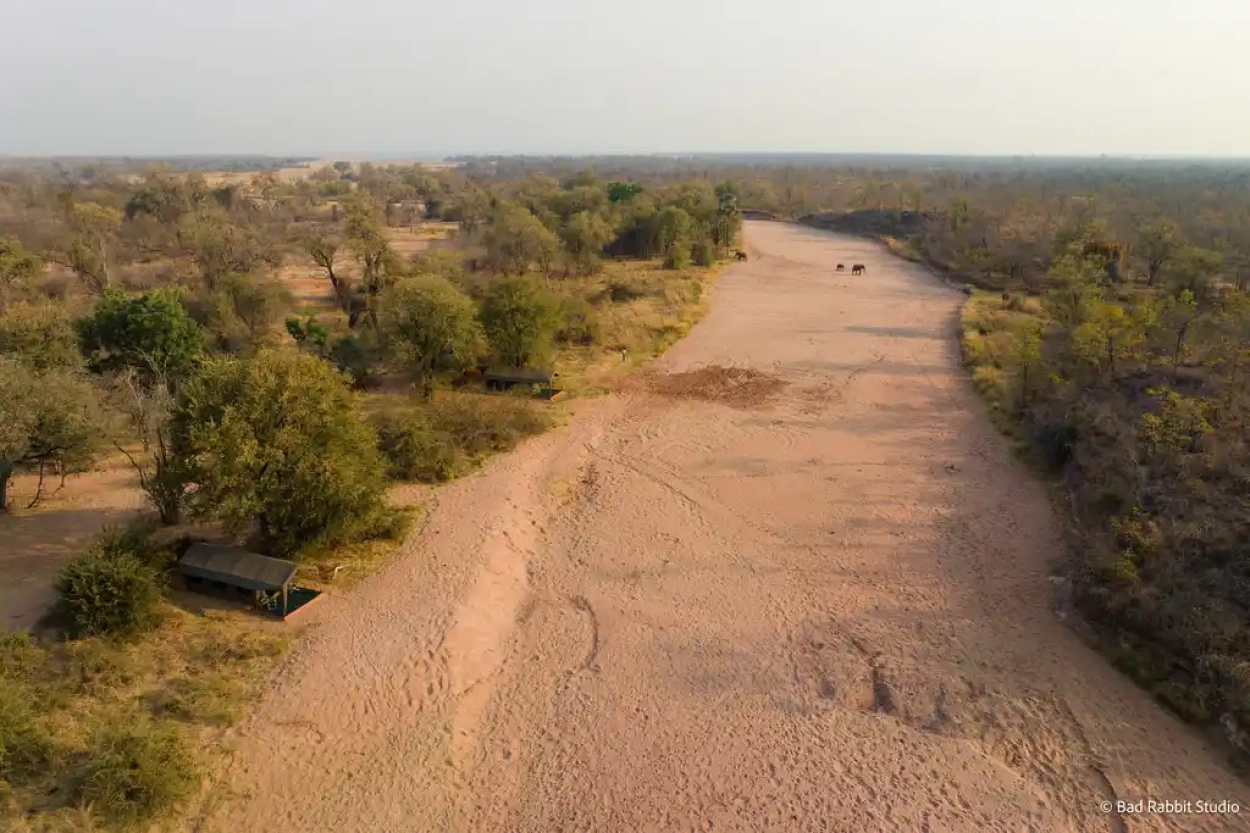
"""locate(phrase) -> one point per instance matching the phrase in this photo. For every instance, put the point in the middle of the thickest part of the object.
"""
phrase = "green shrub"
(480, 425)
(116, 541)
(414, 449)
(25, 749)
(138, 771)
(436, 441)
(151, 332)
(357, 358)
(108, 590)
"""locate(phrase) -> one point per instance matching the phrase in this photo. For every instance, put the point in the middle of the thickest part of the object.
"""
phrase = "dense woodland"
(147, 312)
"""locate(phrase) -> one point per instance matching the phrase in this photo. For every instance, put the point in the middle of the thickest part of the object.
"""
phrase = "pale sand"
(827, 610)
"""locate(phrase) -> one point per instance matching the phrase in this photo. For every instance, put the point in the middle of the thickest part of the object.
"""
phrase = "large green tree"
(151, 332)
(279, 440)
(520, 318)
(431, 325)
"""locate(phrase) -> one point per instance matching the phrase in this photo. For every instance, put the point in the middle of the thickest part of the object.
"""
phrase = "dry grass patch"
(100, 732)
(639, 308)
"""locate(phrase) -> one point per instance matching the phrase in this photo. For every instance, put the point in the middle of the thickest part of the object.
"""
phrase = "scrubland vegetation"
(269, 354)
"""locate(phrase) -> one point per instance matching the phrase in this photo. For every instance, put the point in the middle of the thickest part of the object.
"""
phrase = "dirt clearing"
(738, 387)
(827, 611)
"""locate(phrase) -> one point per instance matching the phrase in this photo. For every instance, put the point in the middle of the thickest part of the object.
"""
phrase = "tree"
(41, 334)
(151, 333)
(221, 247)
(1193, 269)
(322, 242)
(241, 311)
(48, 417)
(432, 326)
(1108, 333)
(470, 208)
(516, 240)
(622, 191)
(520, 318)
(91, 235)
(1177, 317)
(728, 222)
(1073, 285)
(638, 234)
(17, 266)
(674, 230)
(703, 250)
(584, 237)
(364, 233)
(1158, 243)
(279, 440)
(145, 408)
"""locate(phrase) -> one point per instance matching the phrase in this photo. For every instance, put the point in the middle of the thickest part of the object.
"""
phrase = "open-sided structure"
(241, 574)
(505, 378)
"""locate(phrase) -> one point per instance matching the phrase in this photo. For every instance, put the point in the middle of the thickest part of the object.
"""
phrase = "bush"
(622, 292)
(480, 425)
(109, 592)
(138, 771)
(25, 749)
(703, 252)
(19, 657)
(241, 311)
(133, 541)
(437, 441)
(579, 323)
(414, 449)
(357, 358)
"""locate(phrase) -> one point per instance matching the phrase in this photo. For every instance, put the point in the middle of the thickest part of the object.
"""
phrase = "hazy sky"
(572, 76)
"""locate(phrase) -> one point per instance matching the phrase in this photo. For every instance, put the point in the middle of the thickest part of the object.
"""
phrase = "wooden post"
(285, 603)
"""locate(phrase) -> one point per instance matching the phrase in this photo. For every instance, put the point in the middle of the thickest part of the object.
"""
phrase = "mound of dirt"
(737, 387)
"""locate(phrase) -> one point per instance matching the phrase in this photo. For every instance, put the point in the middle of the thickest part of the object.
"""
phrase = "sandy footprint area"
(808, 594)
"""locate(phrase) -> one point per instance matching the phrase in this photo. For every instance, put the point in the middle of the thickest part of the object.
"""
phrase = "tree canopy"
(431, 324)
(520, 318)
(279, 440)
(151, 332)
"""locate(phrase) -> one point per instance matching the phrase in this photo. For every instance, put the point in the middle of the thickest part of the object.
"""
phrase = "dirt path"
(827, 612)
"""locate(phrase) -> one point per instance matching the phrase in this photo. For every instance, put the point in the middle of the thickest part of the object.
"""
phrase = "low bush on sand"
(435, 441)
